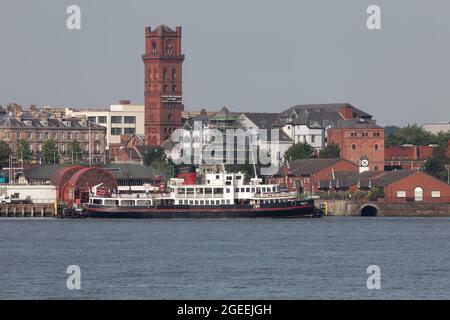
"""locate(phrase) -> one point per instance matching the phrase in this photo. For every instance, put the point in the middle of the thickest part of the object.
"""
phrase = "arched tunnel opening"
(369, 211)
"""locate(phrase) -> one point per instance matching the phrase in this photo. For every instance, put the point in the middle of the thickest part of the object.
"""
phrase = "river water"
(225, 259)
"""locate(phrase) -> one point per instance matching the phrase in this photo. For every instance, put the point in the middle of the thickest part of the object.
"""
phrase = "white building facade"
(120, 119)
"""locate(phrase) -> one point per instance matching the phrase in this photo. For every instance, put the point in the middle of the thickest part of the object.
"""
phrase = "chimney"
(346, 112)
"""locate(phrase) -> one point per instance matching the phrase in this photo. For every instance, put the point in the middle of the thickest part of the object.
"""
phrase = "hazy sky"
(250, 55)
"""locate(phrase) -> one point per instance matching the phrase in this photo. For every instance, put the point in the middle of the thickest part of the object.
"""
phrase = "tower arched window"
(169, 47)
(164, 74)
(153, 47)
(174, 74)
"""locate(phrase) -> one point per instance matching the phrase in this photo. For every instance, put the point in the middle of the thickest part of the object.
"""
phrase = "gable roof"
(263, 120)
(324, 107)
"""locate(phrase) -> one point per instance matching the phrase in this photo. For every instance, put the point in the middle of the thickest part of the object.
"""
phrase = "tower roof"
(164, 28)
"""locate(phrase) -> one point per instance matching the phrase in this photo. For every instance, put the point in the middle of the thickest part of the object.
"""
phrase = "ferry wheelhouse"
(222, 195)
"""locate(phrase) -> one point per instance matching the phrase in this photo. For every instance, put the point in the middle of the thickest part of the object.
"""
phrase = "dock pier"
(32, 210)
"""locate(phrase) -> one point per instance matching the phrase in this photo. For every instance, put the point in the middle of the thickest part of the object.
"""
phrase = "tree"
(23, 152)
(435, 165)
(75, 150)
(49, 152)
(5, 152)
(330, 151)
(153, 155)
(390, 129)
(301, 150)
(411, 134)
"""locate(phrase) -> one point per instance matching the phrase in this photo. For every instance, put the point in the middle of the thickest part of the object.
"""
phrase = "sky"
(248, 55)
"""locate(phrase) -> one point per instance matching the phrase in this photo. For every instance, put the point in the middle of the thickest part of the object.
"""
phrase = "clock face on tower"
(364, 162)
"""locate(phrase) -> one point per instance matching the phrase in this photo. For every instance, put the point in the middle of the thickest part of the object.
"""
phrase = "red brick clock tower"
(163, 74)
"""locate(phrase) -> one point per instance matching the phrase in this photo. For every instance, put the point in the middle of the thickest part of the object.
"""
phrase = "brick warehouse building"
(359, 138)
(163, 83)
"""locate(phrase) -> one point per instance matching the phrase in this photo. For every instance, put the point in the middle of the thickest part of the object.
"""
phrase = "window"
(313, 138)
(46, 135)
(164, 74)
(116, 131)
(116, 119)
(174, 74)
(401, 194)
(435, 194)
(92, 119)
(153, 47)
(129, 131)
(129, 119)
(376, 147)
(30, 135)
(174, 88)
(102, 119)
(165, 87)
(353, 147)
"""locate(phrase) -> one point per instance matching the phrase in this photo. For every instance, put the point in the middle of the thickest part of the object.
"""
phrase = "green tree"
(5, 152)
(49, 152)
(23, 152)
(330, 151)
(153, 155)
(390, 129)
(75, 151)
(301, 150)
(411, 134)
(435, 165)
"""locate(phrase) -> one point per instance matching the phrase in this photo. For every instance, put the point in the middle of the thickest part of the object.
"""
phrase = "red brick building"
(406, 157)
(305, 174)
(357, 139)
(398, 186)
(163, 83)
(417, 187)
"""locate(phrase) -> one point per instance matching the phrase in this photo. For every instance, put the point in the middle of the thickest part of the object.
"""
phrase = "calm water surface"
(231, 259)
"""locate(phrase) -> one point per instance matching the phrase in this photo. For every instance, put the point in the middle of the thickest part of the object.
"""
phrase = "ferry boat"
(222, 195)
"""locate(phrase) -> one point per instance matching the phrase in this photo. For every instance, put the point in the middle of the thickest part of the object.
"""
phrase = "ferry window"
(199, 191)
(217, 177)
(191, 201)
(185, 202)
(202, 202)
(228, 190)
(247, 190)
(144, 202)
(217, 201)
(253, 189)
(127, 202)
(228, 201)
(111, 202)
(228, 183)
(238, 177)
(218, 190)
(237, 190)
(229, 178)
(263, 189)
(208, 190)
(207, 201)
(242, 189)
(223, 201)
(196, 202)
(97, 201)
